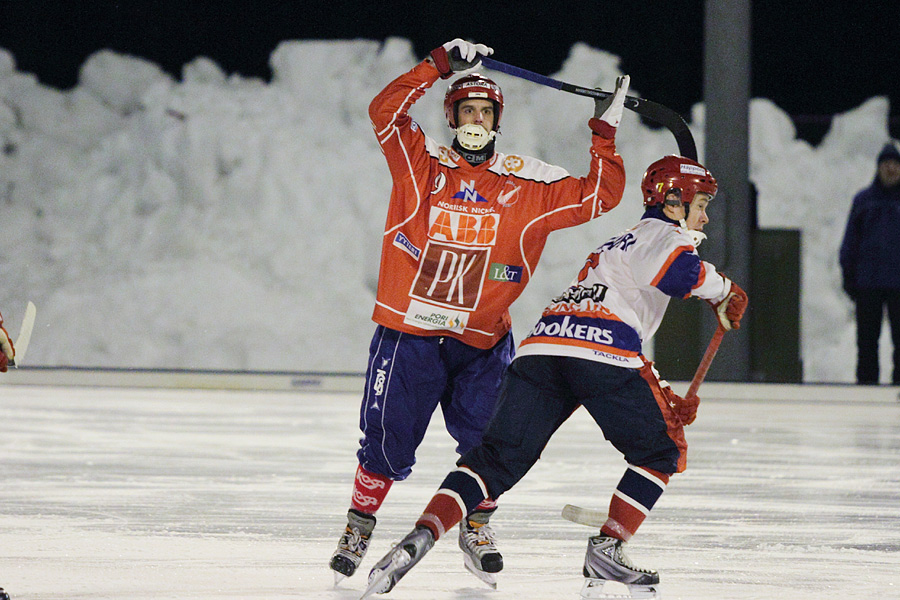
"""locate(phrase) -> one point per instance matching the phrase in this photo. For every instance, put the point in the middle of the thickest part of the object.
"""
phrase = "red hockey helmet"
(673, 172)
(473, 86)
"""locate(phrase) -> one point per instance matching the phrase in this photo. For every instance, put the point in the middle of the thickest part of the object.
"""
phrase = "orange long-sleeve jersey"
(461, 241)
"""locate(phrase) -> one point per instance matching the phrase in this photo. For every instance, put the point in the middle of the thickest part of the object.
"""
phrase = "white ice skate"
(397, 563)
(610, 575)
(353, 545)
(480, 555)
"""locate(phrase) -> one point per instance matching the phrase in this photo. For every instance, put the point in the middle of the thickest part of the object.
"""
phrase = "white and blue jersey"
(619, 297)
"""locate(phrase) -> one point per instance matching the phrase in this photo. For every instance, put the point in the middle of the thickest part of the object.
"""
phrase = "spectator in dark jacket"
(870, 263)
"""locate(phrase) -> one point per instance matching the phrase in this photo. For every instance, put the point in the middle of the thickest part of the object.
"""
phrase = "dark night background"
(813, 59)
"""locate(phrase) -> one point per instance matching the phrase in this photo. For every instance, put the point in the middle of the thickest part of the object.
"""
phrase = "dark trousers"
(540, 392)
(870, 305)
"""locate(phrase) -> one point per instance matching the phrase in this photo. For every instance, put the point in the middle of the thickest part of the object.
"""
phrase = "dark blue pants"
(541, 392)
(408, 376)
(870, 305)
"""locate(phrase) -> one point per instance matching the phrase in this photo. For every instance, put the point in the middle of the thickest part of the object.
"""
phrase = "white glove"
(468, 51)
(458, 55)
(7, 352)
(610, 108)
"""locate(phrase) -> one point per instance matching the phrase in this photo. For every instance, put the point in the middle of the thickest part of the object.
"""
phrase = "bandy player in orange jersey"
(465, 228)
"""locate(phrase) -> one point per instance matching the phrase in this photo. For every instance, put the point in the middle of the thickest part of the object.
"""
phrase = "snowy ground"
(130, 494)
(222, 222)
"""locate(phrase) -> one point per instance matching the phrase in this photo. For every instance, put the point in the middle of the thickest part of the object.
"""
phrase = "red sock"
(369, 490)
(635, 495)
(442, 513)
(487, 504)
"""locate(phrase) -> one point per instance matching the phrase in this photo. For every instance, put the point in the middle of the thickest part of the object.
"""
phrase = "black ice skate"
(3, 595)
(605, 562)
(480, 554)
(397, 563)
(353, 545)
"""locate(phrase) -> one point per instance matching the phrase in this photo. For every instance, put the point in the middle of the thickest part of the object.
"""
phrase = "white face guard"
(697, 236)
(473, 137)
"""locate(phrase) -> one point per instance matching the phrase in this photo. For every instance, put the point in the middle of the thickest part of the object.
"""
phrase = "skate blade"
(338, 578)
(489, 579)
(376, 586)
(381, 582)
(601, 589)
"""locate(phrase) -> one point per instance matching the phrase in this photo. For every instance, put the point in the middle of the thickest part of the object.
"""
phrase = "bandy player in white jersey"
(586, 350)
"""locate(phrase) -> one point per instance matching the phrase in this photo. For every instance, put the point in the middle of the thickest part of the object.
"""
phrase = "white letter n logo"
(468, 191)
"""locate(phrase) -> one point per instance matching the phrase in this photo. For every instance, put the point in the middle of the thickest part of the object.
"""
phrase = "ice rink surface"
(130, 494)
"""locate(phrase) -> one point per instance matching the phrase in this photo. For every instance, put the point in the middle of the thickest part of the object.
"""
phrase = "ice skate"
(3, 595)
(353, 545)
(397, 563)
(611, 575)
(480, 554)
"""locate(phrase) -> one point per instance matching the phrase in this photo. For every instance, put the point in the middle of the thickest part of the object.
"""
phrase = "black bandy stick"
(654, 111)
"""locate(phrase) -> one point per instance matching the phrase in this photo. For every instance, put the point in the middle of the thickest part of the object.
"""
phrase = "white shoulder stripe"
(439, 152)
(527, 167)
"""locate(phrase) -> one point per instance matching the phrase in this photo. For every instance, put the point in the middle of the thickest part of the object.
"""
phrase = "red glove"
(7, 351)
(730, 309)
(684, 408)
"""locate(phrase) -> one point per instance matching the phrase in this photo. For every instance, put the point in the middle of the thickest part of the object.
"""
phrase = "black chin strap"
(474, 157)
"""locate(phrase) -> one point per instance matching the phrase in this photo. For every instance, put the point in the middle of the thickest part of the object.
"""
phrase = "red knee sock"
(369, 490)
(637, 492)
(461, 488)
(442, 513)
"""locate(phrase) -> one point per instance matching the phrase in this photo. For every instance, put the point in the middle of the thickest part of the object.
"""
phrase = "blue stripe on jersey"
(681, 276)
(594, 330)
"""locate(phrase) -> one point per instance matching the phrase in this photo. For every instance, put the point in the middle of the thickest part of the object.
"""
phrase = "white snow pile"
(223, 222)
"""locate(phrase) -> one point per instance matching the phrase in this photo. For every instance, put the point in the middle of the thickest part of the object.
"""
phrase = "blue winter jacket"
(870, 252)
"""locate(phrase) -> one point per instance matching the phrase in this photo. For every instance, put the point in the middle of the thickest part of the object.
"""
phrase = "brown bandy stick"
(708, 357)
